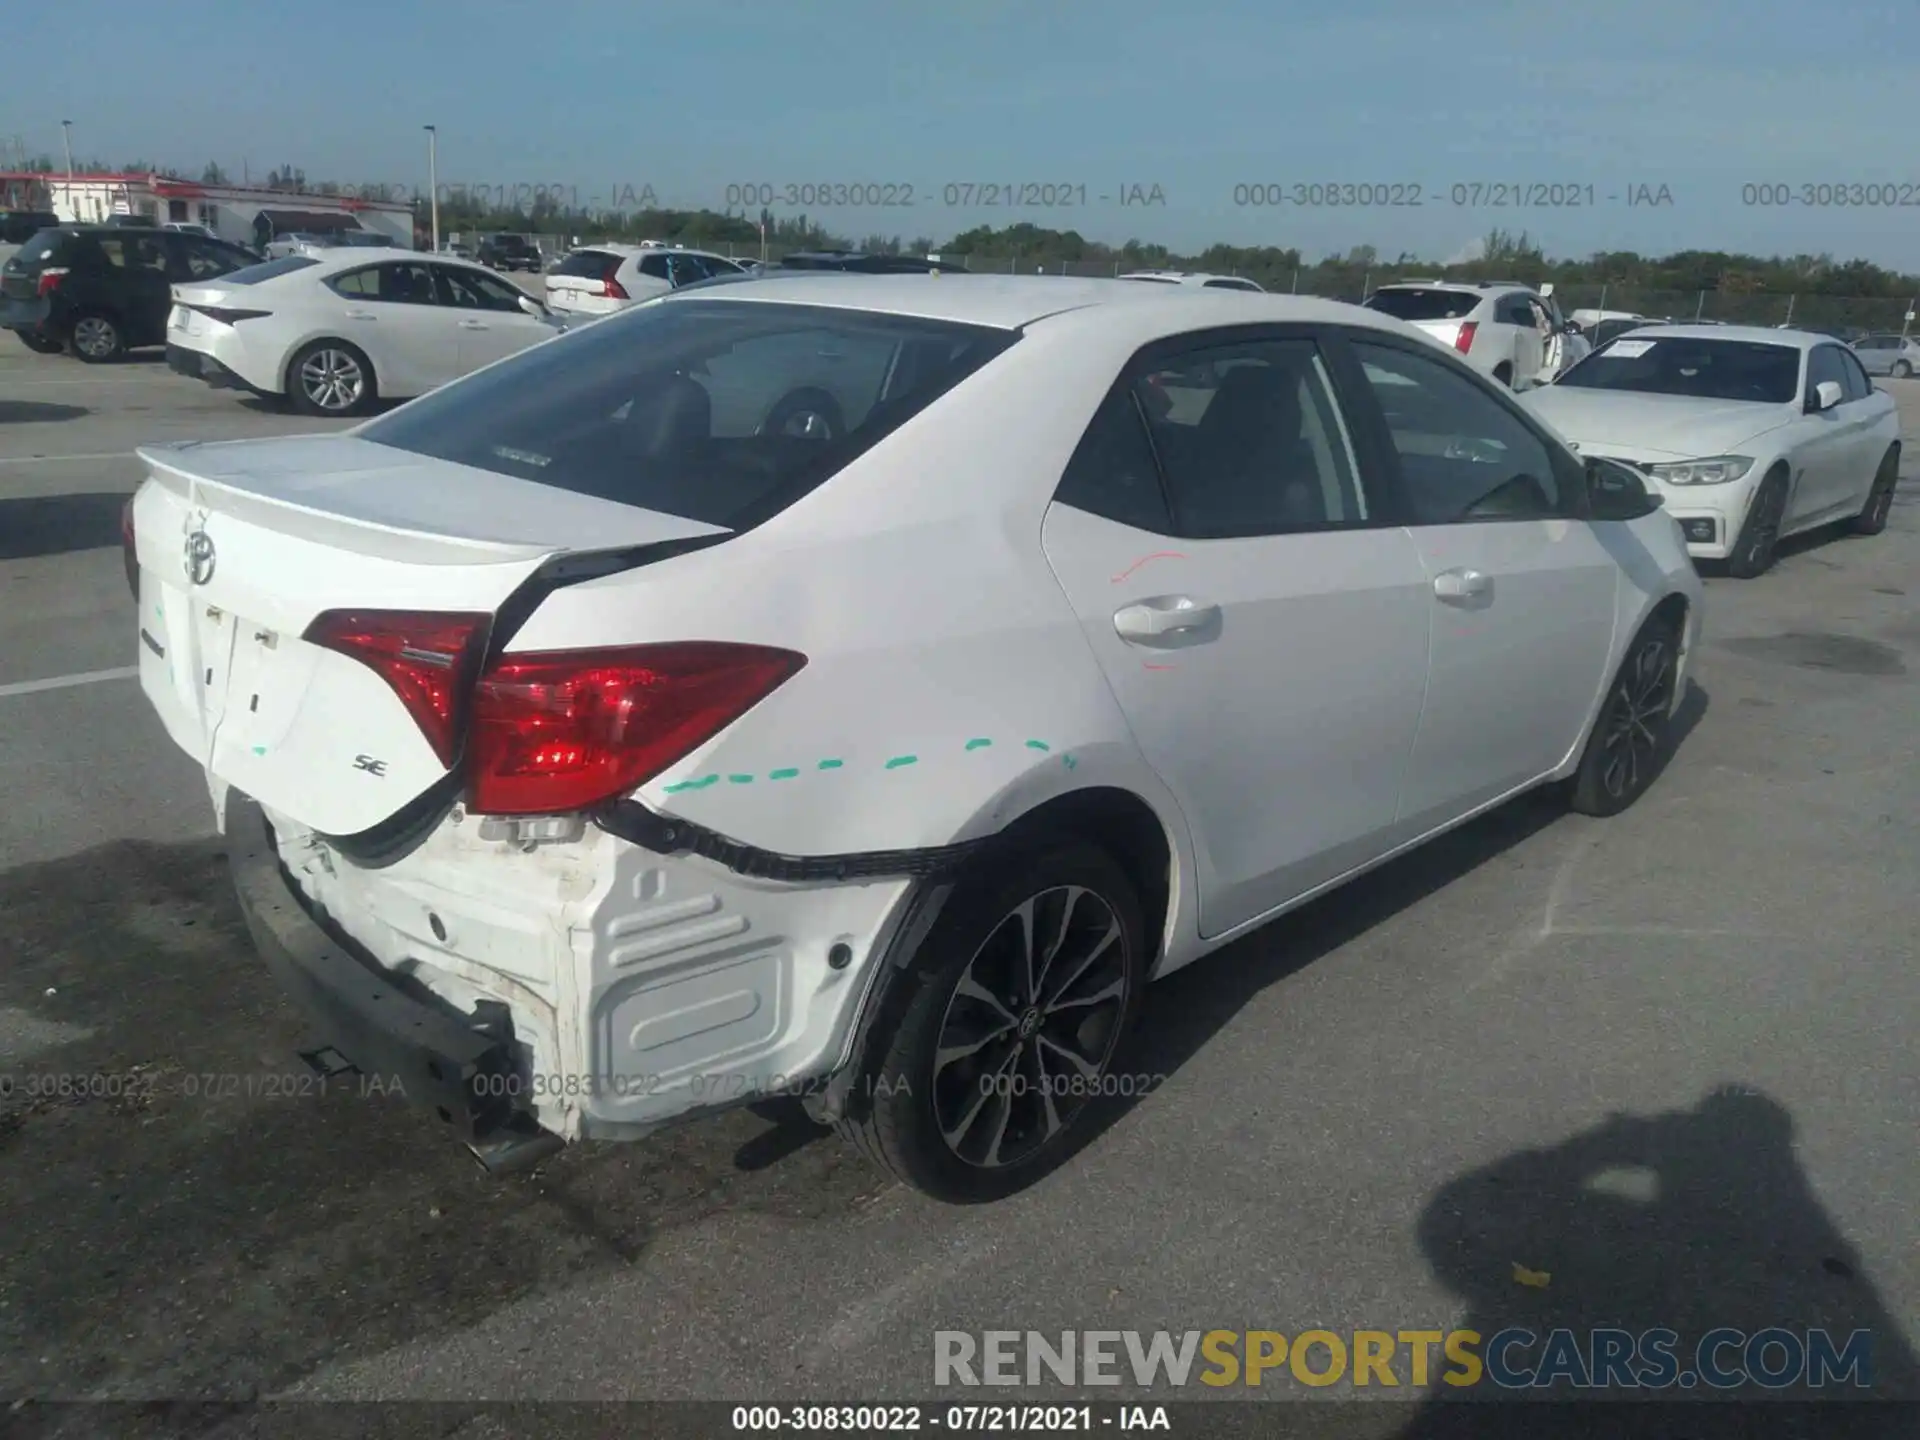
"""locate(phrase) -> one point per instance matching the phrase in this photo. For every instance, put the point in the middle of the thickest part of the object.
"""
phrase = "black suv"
(509, 252)
(102, 290)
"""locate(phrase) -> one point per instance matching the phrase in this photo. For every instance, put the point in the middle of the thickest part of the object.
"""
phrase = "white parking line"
(62, 682)
(49, 459)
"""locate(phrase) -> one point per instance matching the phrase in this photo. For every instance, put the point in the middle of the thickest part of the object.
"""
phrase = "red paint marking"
(1147, 560)
(1145, 666)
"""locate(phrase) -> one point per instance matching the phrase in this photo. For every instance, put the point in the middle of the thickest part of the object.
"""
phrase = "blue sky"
(1702, 96)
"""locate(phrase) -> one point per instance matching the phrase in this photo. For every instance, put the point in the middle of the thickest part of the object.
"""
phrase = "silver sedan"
(1896, 355)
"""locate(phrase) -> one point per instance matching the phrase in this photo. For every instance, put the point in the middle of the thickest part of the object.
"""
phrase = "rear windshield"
(272, 269)
(19, 226)
(1699, 369)
(1425, 304)
(40, 247)
(588, 264)
(710, 410)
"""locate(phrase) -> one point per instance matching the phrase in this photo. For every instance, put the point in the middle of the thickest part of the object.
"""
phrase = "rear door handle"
(1462, 584)
(361, 315)
(1166, 619)
(473, 325)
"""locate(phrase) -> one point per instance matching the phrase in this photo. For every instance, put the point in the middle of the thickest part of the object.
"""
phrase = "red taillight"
(565, 730)
(1463, 342)
(610, 288)
(427, 657)
(127, 551)
(50, 279)
(229, 317)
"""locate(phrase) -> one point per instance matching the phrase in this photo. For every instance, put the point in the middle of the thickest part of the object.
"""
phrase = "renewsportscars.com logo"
(1511, 1359)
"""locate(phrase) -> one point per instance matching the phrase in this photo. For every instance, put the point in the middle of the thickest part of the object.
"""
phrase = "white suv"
(1199, 278)
(599, 279)
(1513, 334)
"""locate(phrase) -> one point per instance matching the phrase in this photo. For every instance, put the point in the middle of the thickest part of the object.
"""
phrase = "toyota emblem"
(199, 557)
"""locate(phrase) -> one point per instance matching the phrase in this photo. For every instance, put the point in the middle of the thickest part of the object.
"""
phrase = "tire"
(330, 378)
(1902, 370)
(1753, 551)
(1633, 734)
(977, 1126)
(96, 338)
(1872, 518)
(39, 344)
(810, 414)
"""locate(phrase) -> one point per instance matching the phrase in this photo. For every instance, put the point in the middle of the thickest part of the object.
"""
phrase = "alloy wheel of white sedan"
(862, 687)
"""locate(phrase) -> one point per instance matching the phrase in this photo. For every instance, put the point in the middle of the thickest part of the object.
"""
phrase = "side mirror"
(1616, 491)
(533, 307)
(1826, 395)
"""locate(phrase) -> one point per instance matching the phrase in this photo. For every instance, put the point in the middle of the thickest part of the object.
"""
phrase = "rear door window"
(684, 407)
(407, 284)
(1414, 305)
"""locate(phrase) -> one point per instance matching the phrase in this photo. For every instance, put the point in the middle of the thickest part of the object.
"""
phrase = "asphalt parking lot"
(1371, 1113)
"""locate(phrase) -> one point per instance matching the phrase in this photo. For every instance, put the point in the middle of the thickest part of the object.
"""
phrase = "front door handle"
(472, 325)
(361, 315)
(1462, 584)
(1166, 619)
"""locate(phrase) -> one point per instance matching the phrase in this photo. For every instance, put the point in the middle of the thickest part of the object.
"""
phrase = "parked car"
(1895, 355)
(1509, 332)
(1601, 331)
(333, 336)
(1194, 277)
(674, 761)
(1749, 434)
(185, 227)
(508, 252)
(102, 290)
(598, 279)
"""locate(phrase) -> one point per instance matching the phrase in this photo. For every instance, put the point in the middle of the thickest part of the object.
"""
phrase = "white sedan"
(1750, 434)
(646, 754)
(335, 334)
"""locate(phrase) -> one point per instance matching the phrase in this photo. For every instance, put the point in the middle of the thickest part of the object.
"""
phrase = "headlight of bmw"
(1714, 470)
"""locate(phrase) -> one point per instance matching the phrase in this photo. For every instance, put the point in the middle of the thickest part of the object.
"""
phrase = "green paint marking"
(701, 784)
(978, 744)
(783, 775)
(1068, 761)
(1038, 745)
(831, 764)
(259, 749)
(740, 779)
(899, 760)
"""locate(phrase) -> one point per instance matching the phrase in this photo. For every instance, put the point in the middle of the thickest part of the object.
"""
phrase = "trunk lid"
(242, 544)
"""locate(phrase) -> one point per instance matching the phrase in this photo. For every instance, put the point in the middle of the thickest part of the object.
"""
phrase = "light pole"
(66, 140)
(433, 180)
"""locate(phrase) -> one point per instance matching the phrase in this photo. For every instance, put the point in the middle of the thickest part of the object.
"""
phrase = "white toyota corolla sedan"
(336, 332)
(597, 746)
(1750, 435)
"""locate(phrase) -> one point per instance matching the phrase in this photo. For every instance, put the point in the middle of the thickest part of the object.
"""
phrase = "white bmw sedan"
(334, 334)
(596, 746)
(1750, 435)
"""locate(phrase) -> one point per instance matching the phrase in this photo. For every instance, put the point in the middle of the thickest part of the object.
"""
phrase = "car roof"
(1012, 302)
(352, 257)
(1465, 287)
(624, 248)
(1751, 334)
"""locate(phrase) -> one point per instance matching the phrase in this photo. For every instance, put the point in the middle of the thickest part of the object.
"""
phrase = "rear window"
(40, 247)
(1229, 285)
(19, 226)
(587, 264)
(715, 411)
(272, 269)
(1151, 279)
(1425, 304)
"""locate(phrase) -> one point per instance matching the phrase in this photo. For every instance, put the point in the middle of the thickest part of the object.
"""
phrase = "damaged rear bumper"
(454, 1067)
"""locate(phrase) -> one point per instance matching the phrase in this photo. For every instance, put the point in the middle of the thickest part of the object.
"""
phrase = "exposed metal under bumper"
(457, 1067)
